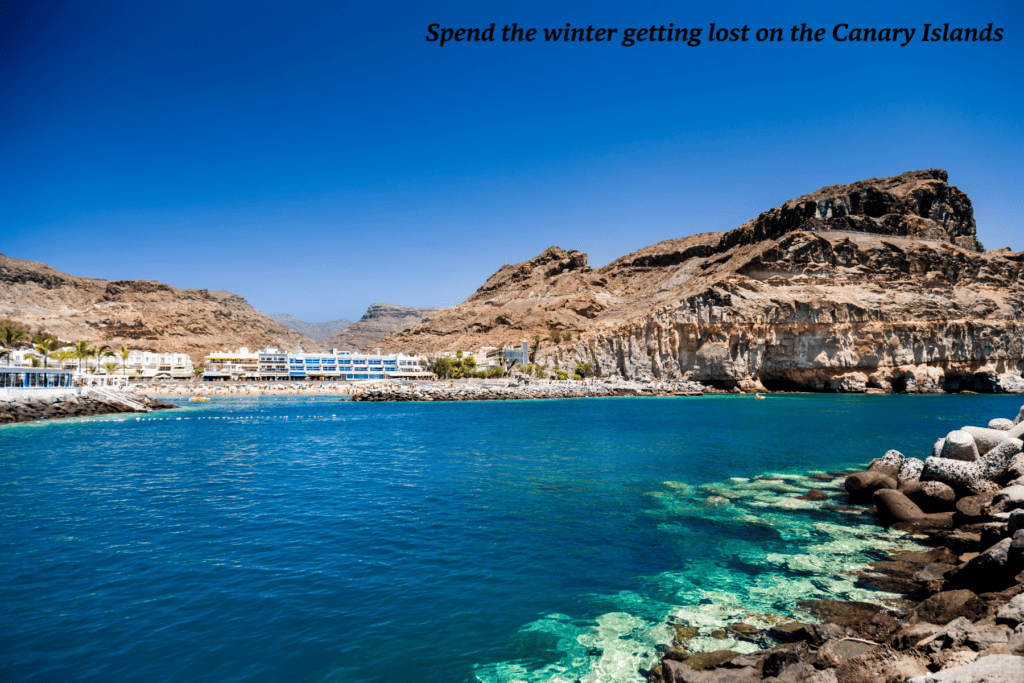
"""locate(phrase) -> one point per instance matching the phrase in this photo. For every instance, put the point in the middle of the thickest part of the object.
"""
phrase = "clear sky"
(319, 157)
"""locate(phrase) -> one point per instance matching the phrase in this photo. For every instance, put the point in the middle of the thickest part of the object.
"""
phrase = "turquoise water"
(315, 540)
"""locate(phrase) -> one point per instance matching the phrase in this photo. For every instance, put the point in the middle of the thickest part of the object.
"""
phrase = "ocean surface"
(303, 539)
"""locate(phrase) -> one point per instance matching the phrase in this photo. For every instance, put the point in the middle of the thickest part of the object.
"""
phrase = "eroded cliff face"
(141, 314)
(879, 284)
(379, 321)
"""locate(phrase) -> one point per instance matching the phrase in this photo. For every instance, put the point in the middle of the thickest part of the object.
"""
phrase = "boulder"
(1015, 522)
(910, 470)
(1016, 641)
(992, 570)
(893, 506)
(960, 445)
(1012, 613)
(1001, 423)
(974, 506)
(814, 494)
(868, 620)
(862, 485)
(994, 669)
(946, 606)
(1015, 467)
(930, 496)
(1010, 498)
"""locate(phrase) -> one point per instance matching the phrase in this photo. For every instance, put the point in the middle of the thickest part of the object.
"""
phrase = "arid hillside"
(142, 314)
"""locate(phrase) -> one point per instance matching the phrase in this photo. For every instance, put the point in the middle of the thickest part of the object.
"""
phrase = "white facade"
(147, 365)
(272, 364)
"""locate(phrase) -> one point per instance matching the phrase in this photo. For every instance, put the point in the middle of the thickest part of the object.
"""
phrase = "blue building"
(340, 365)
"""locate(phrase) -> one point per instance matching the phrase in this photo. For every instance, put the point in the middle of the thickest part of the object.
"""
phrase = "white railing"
(38, 392)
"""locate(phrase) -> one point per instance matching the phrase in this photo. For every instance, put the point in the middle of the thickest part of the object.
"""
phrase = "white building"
(272, 364)
(149, 365)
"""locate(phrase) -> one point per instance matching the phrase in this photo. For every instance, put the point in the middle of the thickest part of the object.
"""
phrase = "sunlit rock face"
(881, 284)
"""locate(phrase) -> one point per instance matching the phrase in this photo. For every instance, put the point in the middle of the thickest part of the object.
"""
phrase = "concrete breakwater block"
(960, 445)
(910, 470)
(861, 485)
(953, 472)
(1001, 423)
(987, 439)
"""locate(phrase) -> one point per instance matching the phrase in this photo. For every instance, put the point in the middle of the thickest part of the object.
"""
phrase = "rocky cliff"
(315, 331)
(879, 284)
(141, 314)
(378, 322)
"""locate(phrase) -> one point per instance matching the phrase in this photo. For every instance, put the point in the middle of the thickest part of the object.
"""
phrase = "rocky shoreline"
(35, 408)
(962, 617)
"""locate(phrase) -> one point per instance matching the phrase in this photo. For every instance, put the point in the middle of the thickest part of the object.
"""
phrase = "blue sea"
(311, 539)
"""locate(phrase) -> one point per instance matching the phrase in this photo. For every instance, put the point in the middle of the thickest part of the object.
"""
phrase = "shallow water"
(303, 539)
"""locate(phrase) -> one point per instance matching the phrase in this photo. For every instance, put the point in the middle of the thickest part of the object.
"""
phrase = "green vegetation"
(562, 374)
(533, 347)
(567, 337)
(585, 370)
(577, 378)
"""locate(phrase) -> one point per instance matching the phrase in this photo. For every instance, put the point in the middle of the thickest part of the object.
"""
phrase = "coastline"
(961, 618)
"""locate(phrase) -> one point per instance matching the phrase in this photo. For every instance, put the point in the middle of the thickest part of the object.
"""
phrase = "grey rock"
(1012, 613)
(952, 472)
(1010, 498)
(1001, 423)
(960, 445)
(994, 669)
(1016, 641)
(910, 470)
(1015, 522)
(987, 439)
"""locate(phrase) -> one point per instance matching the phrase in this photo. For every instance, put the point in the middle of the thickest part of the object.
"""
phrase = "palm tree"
(11, 337)
(110, 367)
(82, 352)
(63, 357)
(44, 350)
(124, 353)
(100, 352)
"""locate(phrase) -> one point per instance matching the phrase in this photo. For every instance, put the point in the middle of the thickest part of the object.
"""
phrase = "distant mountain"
(379, 321)
(142, 314)
(317, 331)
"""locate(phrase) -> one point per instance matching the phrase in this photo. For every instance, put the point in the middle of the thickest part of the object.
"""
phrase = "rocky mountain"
(316, 331)
(141, 314)
(379, 321)
(880, 284)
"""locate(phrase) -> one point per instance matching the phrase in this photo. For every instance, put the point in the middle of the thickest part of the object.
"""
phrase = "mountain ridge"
(878, 284)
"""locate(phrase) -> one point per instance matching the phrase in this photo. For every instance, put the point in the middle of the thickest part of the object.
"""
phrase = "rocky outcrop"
(961, 619)
(315, 331)
(141, 314)
(378, 322)
(879, 285)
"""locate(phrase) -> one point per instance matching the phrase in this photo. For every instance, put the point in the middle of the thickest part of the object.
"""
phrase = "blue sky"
(319, 157)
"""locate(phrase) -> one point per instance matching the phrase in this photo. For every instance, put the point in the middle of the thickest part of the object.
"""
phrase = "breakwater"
(33, 408)
(526, 391)
(962, 617)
